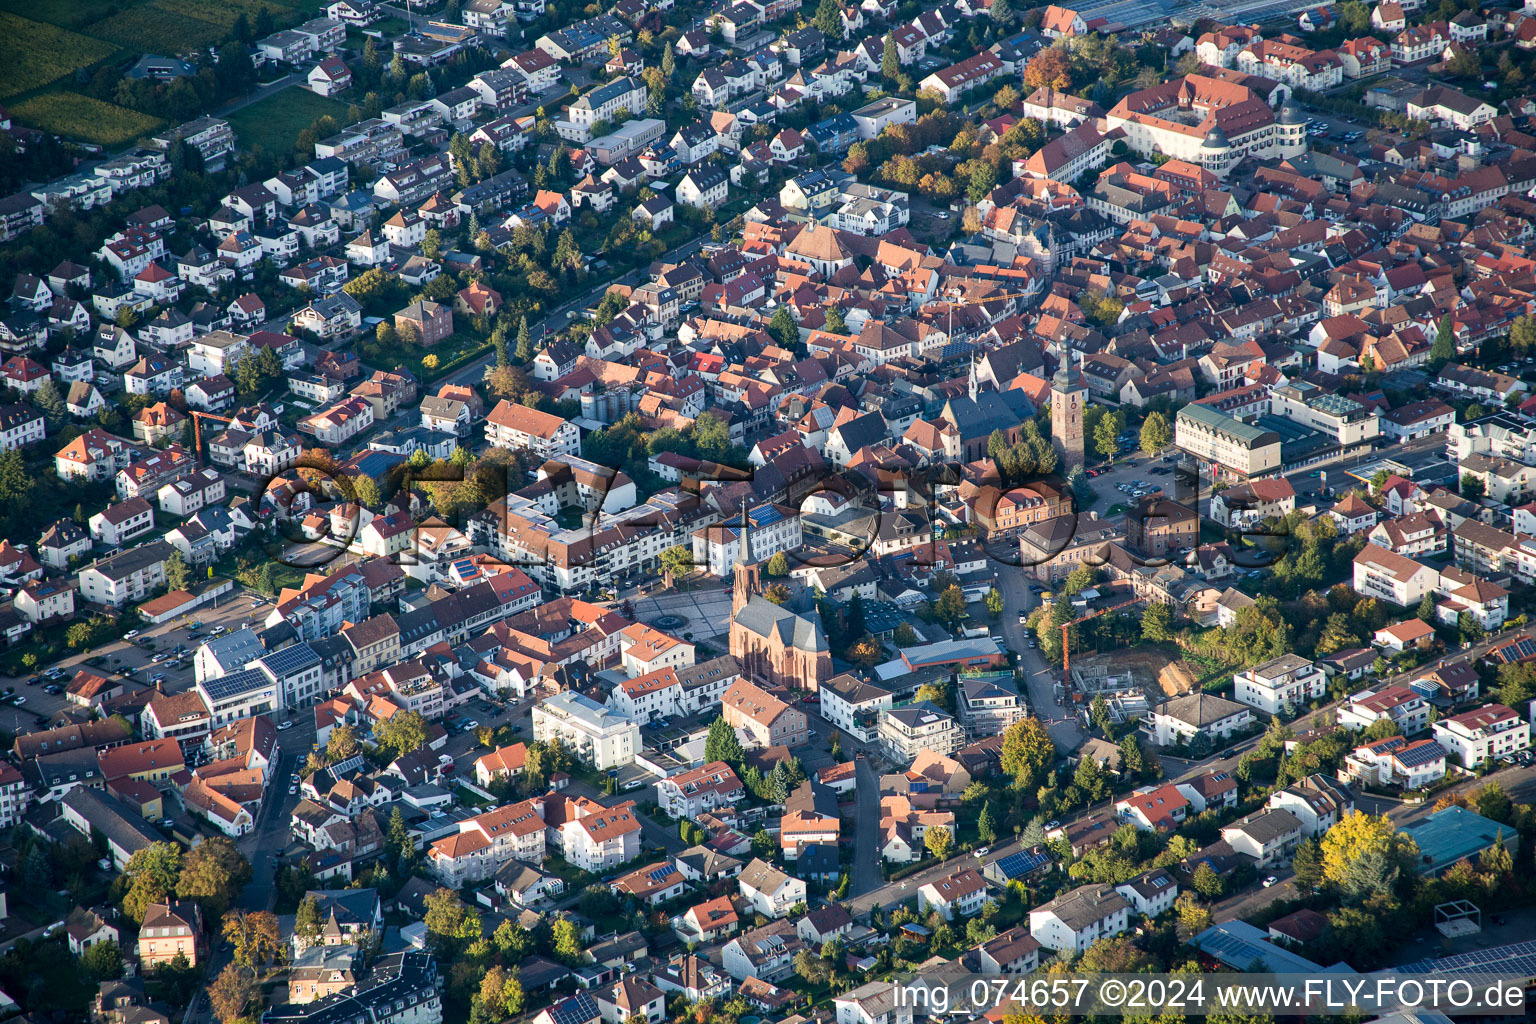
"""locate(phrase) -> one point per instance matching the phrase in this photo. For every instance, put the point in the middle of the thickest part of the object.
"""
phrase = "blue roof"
(1452, 833)
(1238, 944)
(1017, 865)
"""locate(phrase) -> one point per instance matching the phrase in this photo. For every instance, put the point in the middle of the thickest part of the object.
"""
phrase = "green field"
(64, 13)
(81, 117)
(36, 53)
(274, 123)
(147, 26)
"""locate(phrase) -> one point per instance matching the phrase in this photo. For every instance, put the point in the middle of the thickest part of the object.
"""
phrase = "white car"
(130, 634)
(284, 725)
(1271, 880)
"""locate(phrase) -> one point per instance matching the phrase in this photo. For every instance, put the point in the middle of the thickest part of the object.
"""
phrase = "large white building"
(1392, 577)
(1211, 437)
(1208, 121)
(769, 529)
(1483, 734)
(1289, 681)
(597, 735)
(1344, 420)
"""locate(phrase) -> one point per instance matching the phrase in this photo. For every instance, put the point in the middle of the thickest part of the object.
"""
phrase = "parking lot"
(130, 661)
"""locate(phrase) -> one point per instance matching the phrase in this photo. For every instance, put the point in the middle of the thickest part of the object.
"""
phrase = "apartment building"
(905, 731)
(1287, 682)
(512, 425)
(1241, 449)
(1405, 708)
(1482, 735)
(597, 735)
(487, 841)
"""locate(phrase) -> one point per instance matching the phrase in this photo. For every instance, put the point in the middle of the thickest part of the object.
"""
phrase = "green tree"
(213, 872)
(342, 743)
(48, 399)
(1364, 854)
(1157, 623)
(1426, 610)
(1155, 435)
(677, 562)
(783, 328)
(986, 831)
(402, 733)
(1307, 865)
(1354, 17)
(938, 841)
(994, 602)
(829, 18)
(905, 635)
(1027, 753)
(722, 744)
(778, 565)
(567, 942)
(177, 575)
(1206, 882)
(1003, 13)
(890, 60)
(1106, 434)
(525, 351)
(1444, 348)
(306, 920)
(432, 244)
(151, 875)
(104, 960)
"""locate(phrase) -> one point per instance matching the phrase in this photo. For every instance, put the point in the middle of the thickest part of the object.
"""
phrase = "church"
(775, 646)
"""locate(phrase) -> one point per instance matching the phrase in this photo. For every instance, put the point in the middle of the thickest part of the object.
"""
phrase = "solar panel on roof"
(1017, 864)
(659, 875)
(235, 683)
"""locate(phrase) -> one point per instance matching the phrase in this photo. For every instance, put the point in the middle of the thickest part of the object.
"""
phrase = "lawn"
(84, 118)
(38, 53)
(274, 122)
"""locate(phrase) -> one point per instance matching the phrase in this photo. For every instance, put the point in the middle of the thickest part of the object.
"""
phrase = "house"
(1280, 685)
(1269, 837)
(1197, 717)
(959, 895)
(1077, 919)
(769, 891)
(1150, 893)
(169, 929)
(1408, 710)
(698, 790)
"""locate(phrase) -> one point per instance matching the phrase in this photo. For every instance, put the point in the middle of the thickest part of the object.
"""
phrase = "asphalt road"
(866, 841)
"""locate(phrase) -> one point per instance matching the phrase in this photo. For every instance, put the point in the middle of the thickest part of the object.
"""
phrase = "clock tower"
(1067, 417)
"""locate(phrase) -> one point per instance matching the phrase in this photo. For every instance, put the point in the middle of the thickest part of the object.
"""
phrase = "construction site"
(1131, 681)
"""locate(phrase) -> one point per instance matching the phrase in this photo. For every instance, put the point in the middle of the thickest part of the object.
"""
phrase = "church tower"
(1067, 416)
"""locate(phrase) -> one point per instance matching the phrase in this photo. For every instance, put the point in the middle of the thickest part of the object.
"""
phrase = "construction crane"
(1066, 647)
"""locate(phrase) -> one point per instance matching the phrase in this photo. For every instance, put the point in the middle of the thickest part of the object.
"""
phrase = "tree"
(722, 744)
(151, 874)
(1354, 17)
(1027, 753)
(986, 831)
(1444, 348)
(256, 937)
(1157, 623)
(1106, 434)
(668, 63)
(905, 635)
(1307, 865)
(938, 841)
(48, 399)
(450, 924)
(342, 743)
(994, 602)
(1155, 435)
(949, 609)
(567, 942)
(890, 60)
(1363, 855)
(812, 968)
(778, 565)
(1492, 802)
(1193, 917)
(231, 992)
(432, 244)
(1206, 882)
(866, 651)
(402, 733)
(829, 18)
(524, 341)
(1050, 68)
(677, 561)
(784, 328)
(1426, 612)
(104, 961)
(835, 323)
(213, 872)
(306, 920)
(1003, 13)
(177, 575)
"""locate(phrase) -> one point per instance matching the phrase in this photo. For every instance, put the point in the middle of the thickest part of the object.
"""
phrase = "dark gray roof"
(765, 618)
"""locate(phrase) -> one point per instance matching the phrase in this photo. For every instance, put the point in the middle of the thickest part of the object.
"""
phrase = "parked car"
(284, 725)
(130, 634)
